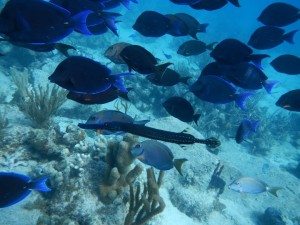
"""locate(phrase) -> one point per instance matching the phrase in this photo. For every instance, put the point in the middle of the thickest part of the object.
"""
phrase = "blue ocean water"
(94, 177)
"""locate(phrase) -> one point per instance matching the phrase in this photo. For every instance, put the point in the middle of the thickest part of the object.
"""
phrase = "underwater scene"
(155, 112)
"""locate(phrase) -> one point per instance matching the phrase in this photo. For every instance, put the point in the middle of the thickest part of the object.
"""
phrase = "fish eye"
(138, 146)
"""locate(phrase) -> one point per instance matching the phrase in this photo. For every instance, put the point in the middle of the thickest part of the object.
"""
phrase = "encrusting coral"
(118, 174)
(144, 206)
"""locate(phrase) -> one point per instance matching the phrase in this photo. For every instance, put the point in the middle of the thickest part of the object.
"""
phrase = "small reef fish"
(252, 186)
(18, 15)
(268, 37)
(15, 187)
(232, 51)
(288, 64)
(279, 14)
(181, 109)
(99, 98)
(168, 78)
(84, 75)
(193, 24)
(290, 101)
(246, 128)
(216, 90)
(156, 154)
(151, 24)
(211, 5)
(113, 52)
(115, 126)
(194, 47)
(141, 60)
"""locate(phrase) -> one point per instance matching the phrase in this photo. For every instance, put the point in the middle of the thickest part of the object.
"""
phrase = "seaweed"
(144, 206)
(37, 103)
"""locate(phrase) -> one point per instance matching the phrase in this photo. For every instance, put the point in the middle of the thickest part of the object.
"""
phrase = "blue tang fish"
(252, 186)
(98, 22)
(15, 187)
(84, 75)
(245, 128)
(39, 22)
(245, 75)
(216, 90)
(158, 155)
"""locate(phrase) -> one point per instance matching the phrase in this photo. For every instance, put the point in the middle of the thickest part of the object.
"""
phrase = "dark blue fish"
(210, 5)
(268, 37)
(288, 64)
(232, 51)
(15, 187)
(39, 22)
(245, 129)
(141, 60)
(98, 98)
(219, 91)
(244, 75)
(156, 154)
(168, 78)
(194, 26)
(115, 126)
(181, 109)
(279, 14)
(84, 75)
(290, 101)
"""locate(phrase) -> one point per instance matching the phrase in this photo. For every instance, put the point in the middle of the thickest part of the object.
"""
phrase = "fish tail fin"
(160, 69)
(269, 85)
(185, 80)
(212, 142)
(178, 164)
(241, 99)
(202, 27)
(289, 37)
(193, 34)
(110, 20)
(124, 95)
(211, 46)
(63, 48)
(40, 185)
(120, 85)
(274, 190)
(257, 58)
(80, 22)
(196, 117)
(235, 3)
(126, 3)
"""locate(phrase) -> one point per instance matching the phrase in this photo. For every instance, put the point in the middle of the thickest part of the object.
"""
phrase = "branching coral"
(144, 206)
(38, 103)
(3, 123)
(118, 173)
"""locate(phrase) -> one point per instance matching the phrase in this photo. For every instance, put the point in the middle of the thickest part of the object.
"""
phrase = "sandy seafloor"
(188, 202)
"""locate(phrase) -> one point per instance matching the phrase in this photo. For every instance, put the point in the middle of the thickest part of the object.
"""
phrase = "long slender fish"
(152, 133)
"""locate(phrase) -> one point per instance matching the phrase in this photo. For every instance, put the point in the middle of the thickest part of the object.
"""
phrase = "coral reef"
(143, 206)
(118, 174)
(3, 123)
(272, 216)
(38, 103)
